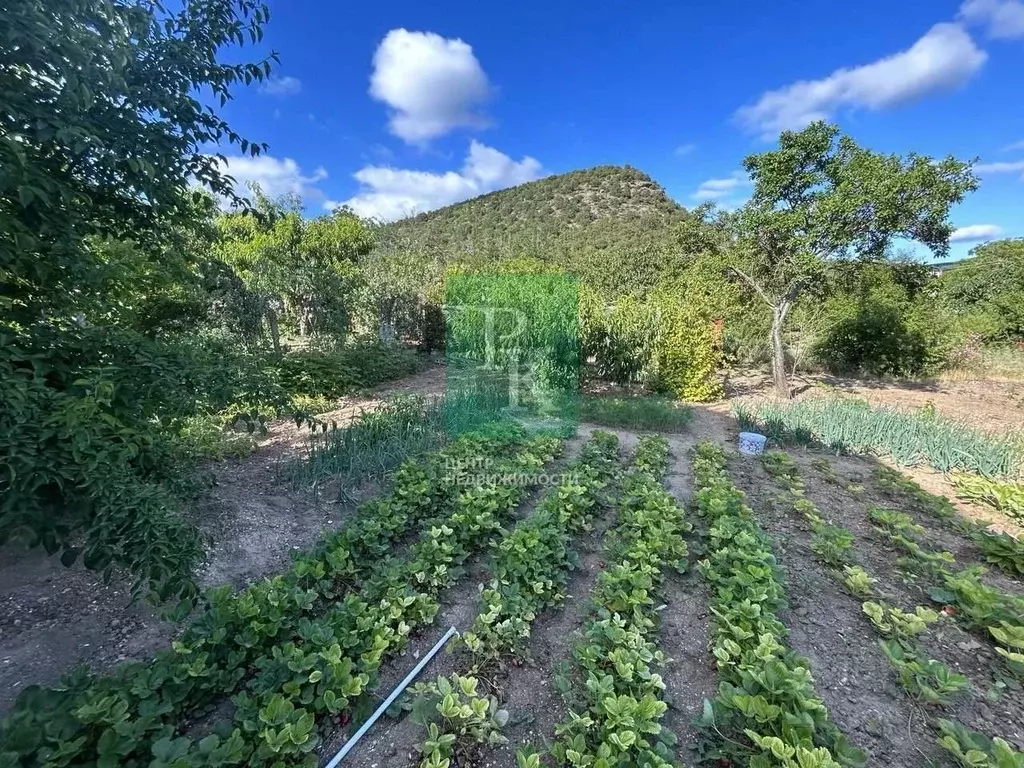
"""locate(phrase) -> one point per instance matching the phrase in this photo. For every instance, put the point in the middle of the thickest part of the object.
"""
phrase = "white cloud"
(987, 169)
(1002, 19)
(975, 233)
(1014, 146)
(715, 189)
(281, 86)
(393, 193)
(684, 149)
(944, 59)
(275, 177)
(431, 83)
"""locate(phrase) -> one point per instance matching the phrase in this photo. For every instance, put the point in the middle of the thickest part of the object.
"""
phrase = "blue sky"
(401, 107)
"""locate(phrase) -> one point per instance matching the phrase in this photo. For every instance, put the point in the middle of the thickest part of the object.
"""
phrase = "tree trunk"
(275, 333)
(779, 313)
(386, 331)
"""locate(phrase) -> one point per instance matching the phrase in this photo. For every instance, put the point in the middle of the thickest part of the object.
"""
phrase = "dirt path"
(52, 617)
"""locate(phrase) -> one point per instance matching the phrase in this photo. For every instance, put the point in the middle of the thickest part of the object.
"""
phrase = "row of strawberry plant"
(130, 716)
(766, 712)
(966, 597)
(987, 610)
(1000, 549)
(530, 570)
(318, 678)
(923, 678)
(616, 720)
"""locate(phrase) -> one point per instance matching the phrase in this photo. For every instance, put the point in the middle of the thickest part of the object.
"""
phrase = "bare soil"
(991, 405)
(827, 626)
(52, 617)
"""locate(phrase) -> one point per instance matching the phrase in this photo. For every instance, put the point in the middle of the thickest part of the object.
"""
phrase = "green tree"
(990, 284)
(398, 273)
(305, 269)
(819, 197)
(103, 133)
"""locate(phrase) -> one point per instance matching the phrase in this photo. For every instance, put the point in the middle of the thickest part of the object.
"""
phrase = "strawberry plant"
(975, 750)
(858, 581)
(532, 563)
(1011, 645)
(457, 720)
(766, 711)
(927, 680)
(621, 703)
(264, 628)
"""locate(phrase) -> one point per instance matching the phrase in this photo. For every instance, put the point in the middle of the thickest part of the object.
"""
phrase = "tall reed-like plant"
(908, 437)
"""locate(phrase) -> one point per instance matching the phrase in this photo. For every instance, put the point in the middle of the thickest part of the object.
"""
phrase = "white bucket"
(752, 444)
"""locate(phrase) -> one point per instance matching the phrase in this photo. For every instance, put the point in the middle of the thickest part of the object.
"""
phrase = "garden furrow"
(615, 713)
(534, 554)
(134, 715)
(766, 711)
(529, 570)
(914, 637)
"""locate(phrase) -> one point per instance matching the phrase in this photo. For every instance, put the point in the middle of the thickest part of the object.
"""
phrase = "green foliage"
(975, 750)
(106, 132)
(621, 705)
(988, 289)
(301, 271)
(644, 413)
(105, 275)
(296, 647)
(1001, 549)
(1011, 639)
(659, 341)
(910, 438)
(766, 703)
(344, 371)
(893, 622)
(927, 680)
(875, 341)
(374, 443)
(532, 563)
(1007, 498)
(457, 719)
(858, 581)
(611, 227)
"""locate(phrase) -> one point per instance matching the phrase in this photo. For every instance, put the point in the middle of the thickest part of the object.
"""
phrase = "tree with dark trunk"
(820, 197)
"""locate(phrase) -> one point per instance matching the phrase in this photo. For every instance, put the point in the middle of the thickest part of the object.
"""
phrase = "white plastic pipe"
(351, 743)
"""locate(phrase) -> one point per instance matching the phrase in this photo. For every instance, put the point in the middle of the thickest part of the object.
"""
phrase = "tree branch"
(755, 286)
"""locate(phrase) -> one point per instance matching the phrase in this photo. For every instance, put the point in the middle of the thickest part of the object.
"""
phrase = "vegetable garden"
(849, 617)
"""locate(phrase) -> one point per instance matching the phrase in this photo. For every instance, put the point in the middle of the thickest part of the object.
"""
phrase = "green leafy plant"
(858, 581)
(975, 750)
(894, 622)
(1001, 549)
(854, 426)
(766, 701)
(457, 718)
(1007, 498)
(925, 679)
(621, 705)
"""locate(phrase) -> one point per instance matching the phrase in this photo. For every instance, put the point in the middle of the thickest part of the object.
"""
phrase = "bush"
(661, 342)
(90, 432)
(875, 341)
(347, 370)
